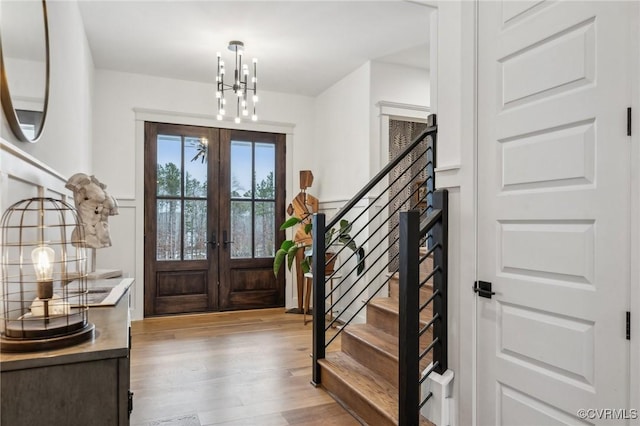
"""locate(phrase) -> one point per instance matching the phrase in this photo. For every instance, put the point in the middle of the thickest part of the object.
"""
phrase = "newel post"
(409, 339)
(318, 268)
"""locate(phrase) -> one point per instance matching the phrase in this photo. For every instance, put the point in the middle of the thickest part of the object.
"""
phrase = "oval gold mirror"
(24, 60)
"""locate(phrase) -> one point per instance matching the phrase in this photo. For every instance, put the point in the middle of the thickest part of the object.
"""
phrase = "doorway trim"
(395, 111)
(173, 117)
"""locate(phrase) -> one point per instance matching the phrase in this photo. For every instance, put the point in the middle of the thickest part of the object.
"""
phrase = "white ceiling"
(303, 47)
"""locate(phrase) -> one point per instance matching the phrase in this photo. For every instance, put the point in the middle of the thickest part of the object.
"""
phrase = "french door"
(214, 199)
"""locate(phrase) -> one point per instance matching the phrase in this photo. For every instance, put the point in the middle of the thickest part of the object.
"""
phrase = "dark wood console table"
(85, 384)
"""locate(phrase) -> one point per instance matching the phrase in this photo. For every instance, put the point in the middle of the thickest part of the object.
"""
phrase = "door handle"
(213, 241)
(225, 242)
(483, 288)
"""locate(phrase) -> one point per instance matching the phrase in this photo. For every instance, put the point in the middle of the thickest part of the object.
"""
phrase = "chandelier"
(240, 87)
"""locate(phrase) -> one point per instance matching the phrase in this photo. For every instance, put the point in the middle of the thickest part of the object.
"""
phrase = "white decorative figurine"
(94, 207)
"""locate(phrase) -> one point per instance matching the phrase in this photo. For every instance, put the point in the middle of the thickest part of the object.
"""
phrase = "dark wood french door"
(214, 199)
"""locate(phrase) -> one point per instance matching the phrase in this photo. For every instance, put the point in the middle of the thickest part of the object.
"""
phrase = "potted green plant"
(289, 248)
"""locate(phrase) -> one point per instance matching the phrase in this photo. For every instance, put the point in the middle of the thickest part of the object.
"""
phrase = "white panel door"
(553, 210)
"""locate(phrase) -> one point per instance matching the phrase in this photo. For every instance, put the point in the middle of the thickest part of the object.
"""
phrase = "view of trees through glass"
(182, 177)
(181, 189)
(253, 197)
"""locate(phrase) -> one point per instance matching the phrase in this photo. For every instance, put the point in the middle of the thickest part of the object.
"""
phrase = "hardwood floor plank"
(266, 420)
(321, 415)
(231, 368)
(215, 417)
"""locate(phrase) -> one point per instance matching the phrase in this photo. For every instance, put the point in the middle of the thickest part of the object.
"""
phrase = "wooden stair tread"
(376, 337)
(386, 303)
(394, 289)
(390, 304)
(377, 340)
(426, 286)
(364, 382)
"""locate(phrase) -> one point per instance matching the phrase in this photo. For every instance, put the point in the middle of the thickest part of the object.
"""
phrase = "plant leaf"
(286, 245)
(305, 265)
(277, 261)
(349, 243)
(307, 228)
(291, 255)
(290, 222)
(360, 256)
(345, 226)
(283, 251)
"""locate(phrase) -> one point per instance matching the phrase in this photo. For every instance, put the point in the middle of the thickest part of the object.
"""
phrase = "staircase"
(363, 375)
(379, 369)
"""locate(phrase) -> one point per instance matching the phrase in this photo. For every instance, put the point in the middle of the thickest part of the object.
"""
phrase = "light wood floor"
(241, 368)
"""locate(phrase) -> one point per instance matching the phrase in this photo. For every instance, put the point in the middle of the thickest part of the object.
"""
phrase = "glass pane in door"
(195, 167)
(241, 231)
(181, 180)
(265, 161)
(253, 192)
(241, 169)
(195, 229)
(168, 229)
(169, 161)
(265, 228)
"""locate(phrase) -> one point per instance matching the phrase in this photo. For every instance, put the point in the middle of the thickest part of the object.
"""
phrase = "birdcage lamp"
(44, 277)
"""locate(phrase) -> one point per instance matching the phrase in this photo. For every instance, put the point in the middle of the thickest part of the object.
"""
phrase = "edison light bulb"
(43, 258)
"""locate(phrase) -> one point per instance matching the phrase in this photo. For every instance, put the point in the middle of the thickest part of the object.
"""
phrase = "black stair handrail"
(410, 355)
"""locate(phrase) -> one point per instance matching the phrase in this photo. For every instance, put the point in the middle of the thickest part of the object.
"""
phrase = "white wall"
(342, 137)
(456, 172)
(118, 155)
(65, 144)
(453, 96)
